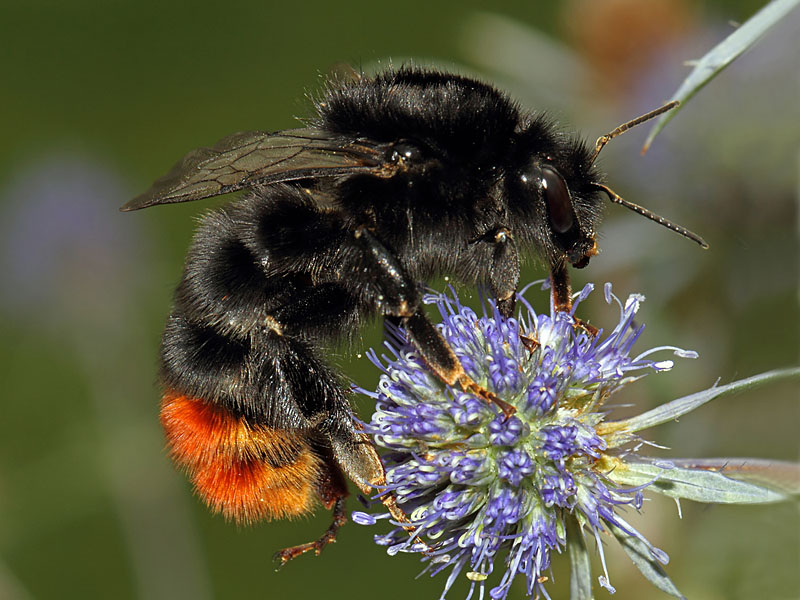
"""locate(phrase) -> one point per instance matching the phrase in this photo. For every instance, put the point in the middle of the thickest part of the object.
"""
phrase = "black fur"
(293, 264)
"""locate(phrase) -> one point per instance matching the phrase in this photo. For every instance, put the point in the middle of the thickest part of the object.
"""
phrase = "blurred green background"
(97, 99)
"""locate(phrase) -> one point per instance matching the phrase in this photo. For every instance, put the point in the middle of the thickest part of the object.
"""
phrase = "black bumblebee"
(402, 177)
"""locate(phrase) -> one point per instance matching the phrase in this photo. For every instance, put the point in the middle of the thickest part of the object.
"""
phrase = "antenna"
(604, 139)
(617, 199)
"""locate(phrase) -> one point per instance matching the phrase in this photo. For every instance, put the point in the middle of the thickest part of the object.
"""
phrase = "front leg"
(504, 274)
(400, 298)
(562, 295)
(504, 278)
(561, 288)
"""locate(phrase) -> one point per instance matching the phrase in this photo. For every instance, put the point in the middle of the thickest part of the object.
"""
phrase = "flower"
(478, 485)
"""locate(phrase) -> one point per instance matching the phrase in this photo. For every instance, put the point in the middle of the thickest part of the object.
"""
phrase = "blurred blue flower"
(67, 255)
(478, 486)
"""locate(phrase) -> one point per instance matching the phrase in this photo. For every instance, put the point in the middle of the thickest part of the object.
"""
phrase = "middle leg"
(400, 298)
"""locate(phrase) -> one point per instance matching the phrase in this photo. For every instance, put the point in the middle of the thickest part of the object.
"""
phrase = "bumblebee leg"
(562, 295)
(504, 278)
(387, 499)
(562, 290)
(400, 298)
(331, 489)
(438, 355)
(339, 519)
(504, 274)
(358, 458)
(398, 293)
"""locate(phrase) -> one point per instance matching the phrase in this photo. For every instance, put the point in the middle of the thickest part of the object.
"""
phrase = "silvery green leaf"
(777, 475)
(681, 406)
(708, 67)
(580, 578)
(639, 552)
(693, 484)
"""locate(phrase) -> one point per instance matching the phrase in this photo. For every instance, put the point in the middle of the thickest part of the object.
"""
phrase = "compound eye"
(559, 202)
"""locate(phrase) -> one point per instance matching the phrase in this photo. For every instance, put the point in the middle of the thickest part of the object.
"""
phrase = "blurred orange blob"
(620, 38)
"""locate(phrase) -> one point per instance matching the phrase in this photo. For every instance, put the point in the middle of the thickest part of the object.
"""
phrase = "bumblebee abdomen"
(247, 472)
(251, 412)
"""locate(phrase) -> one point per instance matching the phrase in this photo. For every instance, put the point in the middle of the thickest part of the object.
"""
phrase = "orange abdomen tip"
(247, 472)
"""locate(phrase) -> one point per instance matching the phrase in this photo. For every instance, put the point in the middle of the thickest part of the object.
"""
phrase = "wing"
(251, 158)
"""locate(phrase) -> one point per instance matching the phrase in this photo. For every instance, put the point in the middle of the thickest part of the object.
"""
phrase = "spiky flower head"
(479, 486)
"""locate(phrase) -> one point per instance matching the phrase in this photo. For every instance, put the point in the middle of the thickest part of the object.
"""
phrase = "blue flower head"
(481, 488)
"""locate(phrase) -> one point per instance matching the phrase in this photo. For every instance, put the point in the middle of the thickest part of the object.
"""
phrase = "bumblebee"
(401, 177)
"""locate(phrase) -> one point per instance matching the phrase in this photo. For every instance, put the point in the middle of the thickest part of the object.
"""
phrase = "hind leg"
(331, 489)
(401, 300)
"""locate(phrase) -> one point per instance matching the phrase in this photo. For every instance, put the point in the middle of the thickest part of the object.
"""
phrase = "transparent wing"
(251, 158)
